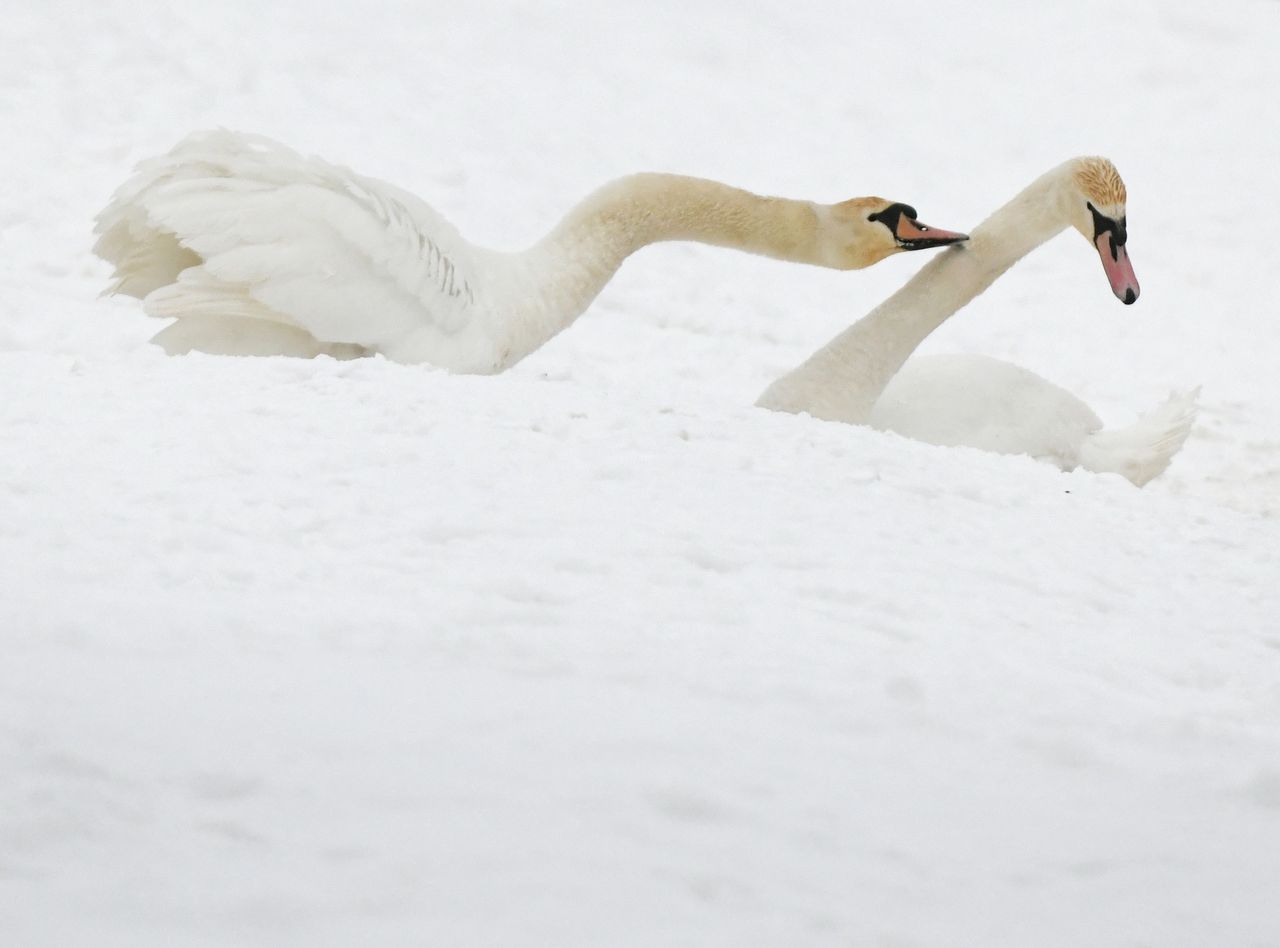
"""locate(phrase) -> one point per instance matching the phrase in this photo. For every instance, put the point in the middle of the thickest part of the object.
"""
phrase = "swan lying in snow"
(981, 402)
(985, 403)
(257, 250)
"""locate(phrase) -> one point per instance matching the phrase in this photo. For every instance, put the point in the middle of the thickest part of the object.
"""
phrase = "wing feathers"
(240, 225)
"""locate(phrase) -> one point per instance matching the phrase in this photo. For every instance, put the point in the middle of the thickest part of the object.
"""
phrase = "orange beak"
(1110, 236)
(912, 235)
(1115, 261)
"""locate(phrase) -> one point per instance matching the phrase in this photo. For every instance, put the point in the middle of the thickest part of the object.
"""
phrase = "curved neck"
(558, 277)
(843, 379)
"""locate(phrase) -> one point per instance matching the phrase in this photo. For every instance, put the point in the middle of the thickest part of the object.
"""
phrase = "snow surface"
(595, 653)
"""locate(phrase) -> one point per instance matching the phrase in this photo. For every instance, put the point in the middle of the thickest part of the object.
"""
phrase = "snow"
(593, 652)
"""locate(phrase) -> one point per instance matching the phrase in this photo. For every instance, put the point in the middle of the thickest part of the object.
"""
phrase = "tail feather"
(146, 253)
(1143, 450)
(198, 293)
(144, 256)
(144, 260)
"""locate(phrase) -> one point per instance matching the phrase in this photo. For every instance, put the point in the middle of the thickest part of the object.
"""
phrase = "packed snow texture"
(594, 652)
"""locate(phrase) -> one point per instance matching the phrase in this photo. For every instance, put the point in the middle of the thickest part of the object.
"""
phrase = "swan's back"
(234, 226)
(984, 403)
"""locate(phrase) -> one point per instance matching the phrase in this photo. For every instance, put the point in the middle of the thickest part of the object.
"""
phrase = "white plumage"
(867, 375)
(229, 228)
(992, 405)
(254, 249)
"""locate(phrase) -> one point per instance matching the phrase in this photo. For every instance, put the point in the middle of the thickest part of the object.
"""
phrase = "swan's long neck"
(555, 280)
(843, 379)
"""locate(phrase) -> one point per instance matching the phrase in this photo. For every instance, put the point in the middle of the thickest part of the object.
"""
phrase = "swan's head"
(1097, 211)
(865, 230)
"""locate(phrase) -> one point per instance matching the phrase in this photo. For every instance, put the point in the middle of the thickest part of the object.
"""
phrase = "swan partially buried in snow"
(257, 250)
(860, 377)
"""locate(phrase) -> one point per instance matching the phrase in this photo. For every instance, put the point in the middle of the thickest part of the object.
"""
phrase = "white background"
(595, 653)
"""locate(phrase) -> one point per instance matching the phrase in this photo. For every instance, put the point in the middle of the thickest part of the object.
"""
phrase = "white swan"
(859, 377)
(985, 403)
(258, 250)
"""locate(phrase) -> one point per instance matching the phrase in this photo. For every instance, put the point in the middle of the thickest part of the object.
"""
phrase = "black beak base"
(909, 233)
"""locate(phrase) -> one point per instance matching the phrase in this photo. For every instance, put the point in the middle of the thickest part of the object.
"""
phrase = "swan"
(860, 378)
(257, 250)
(993, 405)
